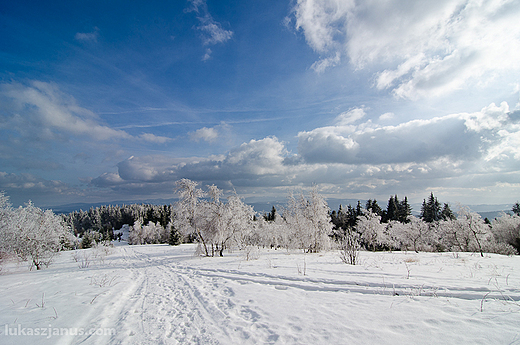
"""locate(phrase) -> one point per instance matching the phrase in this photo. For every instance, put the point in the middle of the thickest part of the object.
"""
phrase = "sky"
(116, 100)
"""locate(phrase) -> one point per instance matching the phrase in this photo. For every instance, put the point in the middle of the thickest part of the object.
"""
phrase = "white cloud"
(465, 136)
(42, 111)
(386, 116)
(461, 153)
(213, 32)
(88, 36)
(152, 138)
(428, 48)
(204, 133)
(350, 116)
(207, 56)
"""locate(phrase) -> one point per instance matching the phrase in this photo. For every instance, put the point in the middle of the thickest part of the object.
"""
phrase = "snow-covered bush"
(90, 238)
(506, 229)
(149, 233)
(371, 230)
(32, 234)
(349, 246)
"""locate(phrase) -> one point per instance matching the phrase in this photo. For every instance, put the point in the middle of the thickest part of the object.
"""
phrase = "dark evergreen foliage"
(271, 215)
(175, 237)
(397, 210)
(447, 213)
(431, 209)
(516, 209)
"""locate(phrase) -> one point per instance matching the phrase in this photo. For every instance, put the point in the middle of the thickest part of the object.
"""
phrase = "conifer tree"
(431, 209)
(447, 213)
(516, 209)
(404, 211)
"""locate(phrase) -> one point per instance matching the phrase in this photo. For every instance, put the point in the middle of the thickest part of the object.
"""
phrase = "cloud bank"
(355, 158)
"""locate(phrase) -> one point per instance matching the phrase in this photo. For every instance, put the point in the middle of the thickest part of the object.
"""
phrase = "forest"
(305, 223)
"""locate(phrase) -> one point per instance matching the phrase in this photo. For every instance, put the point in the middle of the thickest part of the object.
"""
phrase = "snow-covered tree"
(308, 222)
(235, 224)
(33, 234)
(416, 234)
(474, 226)
(371, 230)
(189, 217)
(506, 230)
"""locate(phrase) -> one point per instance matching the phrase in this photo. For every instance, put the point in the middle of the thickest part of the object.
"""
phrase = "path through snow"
(158, 294)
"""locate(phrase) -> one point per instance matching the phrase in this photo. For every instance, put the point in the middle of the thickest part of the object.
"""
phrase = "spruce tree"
(403, 211)
(447, 213)
(516, 209)
(391, 209)
(431, 209)
(175, 237)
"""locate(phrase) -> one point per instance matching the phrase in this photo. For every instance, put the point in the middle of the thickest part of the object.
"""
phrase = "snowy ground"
(158, 294)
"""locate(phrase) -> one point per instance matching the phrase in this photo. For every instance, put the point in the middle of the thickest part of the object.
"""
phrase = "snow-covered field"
(159, 294)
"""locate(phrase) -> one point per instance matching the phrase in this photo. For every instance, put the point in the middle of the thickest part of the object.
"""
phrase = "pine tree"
(404, 211)
(431, 209)
(447, 213)
(175, 237)
(516, 209)
(373, 207)
(391, 209)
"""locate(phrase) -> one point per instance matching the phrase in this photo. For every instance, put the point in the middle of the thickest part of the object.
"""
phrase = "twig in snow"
(482, 302)
(43, 302)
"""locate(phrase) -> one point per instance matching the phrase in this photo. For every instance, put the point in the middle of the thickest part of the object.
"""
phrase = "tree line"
(305, 222)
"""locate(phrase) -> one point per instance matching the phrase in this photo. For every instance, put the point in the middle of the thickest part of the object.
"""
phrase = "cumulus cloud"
(204, 133)
(254, 162)
(465, 136)
(211, 134)
(350, 116)
(428, 48)
(152, 138)
(465, 153)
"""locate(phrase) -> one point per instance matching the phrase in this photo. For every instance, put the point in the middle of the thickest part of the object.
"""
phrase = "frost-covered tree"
(473, 225)
(506, 230)
(348, 243)
(371, 230)
(416, 234)
(33, 234)
(189, 215)
(235, 226)
(214, 224)
(308, 222)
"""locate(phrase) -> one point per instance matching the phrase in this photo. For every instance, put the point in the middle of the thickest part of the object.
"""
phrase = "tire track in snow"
(310, 284)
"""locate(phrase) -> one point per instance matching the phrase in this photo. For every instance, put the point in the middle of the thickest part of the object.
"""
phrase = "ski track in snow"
(158, 294)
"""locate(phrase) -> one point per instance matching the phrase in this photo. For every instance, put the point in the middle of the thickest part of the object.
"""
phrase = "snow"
(160, 294)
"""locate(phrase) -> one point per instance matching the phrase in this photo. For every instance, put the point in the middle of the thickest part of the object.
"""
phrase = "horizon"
(102, 102)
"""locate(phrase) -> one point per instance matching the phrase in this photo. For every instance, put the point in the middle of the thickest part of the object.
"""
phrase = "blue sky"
(116, 100)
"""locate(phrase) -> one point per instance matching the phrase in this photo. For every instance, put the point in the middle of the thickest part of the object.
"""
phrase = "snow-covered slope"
(158, 294)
